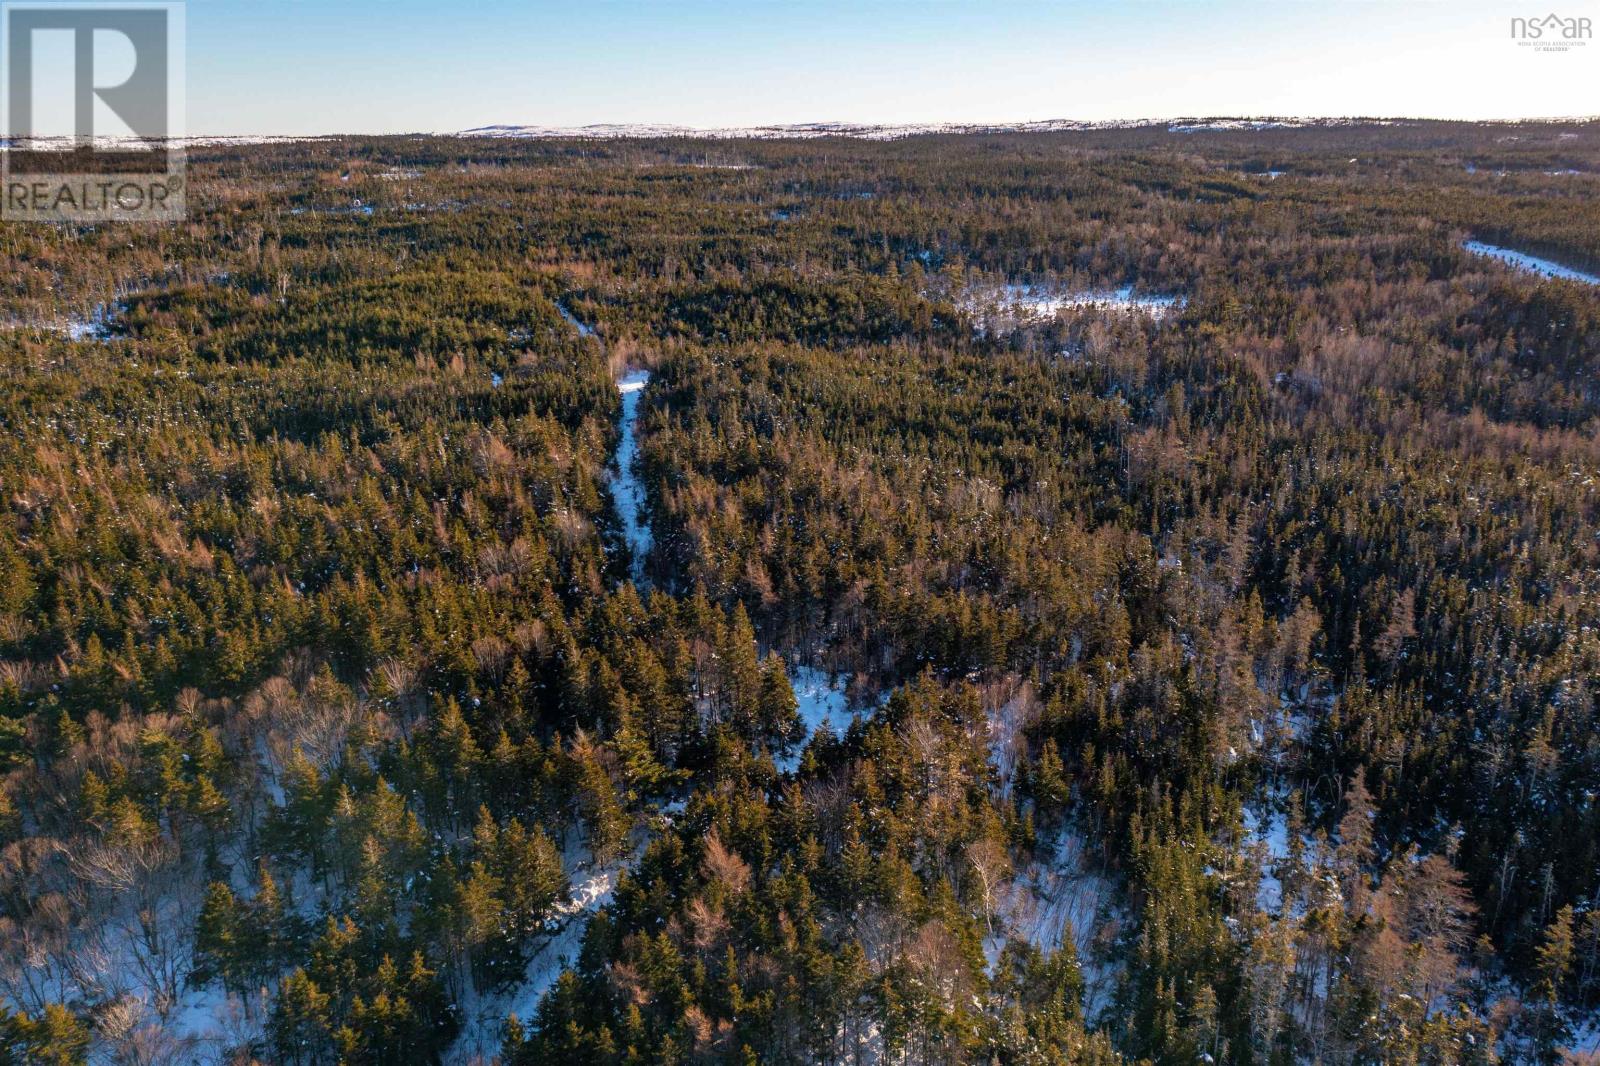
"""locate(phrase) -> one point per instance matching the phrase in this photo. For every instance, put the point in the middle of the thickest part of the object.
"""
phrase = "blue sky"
(326, 66)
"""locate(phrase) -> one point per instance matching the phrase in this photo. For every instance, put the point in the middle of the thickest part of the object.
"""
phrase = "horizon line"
(847, 128)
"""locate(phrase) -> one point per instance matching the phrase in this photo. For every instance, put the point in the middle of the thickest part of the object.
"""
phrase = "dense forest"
(1096, 597)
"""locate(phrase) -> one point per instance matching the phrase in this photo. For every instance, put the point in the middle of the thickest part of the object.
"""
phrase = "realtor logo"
(93, 110)
(1553, 33)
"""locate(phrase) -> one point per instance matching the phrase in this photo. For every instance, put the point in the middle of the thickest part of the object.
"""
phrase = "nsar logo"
(1553, 33)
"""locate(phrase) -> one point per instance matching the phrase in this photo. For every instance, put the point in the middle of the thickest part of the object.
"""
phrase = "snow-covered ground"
(207, 1021)
(1585, 1039)
(1009, 714)
(484, 1017)
(1530, 263)
(1014, 306)
(1268, 827)
(822, 700)
(95, 326)
(822, 704)
(625, 486)
(356, 207)
(1061, 895)
(135, 978)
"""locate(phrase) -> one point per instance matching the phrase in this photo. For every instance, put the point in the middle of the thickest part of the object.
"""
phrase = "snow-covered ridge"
(800, 130)
(893, 131)
(108, 143)
(803, 130)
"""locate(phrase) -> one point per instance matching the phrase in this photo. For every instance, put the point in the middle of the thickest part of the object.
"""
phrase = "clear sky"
(330, 66)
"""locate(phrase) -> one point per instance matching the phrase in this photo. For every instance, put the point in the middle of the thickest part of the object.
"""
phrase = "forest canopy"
(1107, 596)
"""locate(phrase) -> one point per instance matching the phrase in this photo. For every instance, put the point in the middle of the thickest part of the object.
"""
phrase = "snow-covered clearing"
(1530, 263)
(207, 1022)
(1012, 307)
(95, 327)
(822, 700)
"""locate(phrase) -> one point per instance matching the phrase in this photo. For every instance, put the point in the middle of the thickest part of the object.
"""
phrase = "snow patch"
(96, 327)
(822, 703)
(575, 322)
(484, 1029)
(1269, 828)
(1014, 306)
(1530, 263)
(1059, 895)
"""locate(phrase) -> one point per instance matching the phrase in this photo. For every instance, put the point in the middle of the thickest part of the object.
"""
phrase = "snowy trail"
(576, 323)
(486, 1015)
(1530, 263)
(626, 488)
(592, 886)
